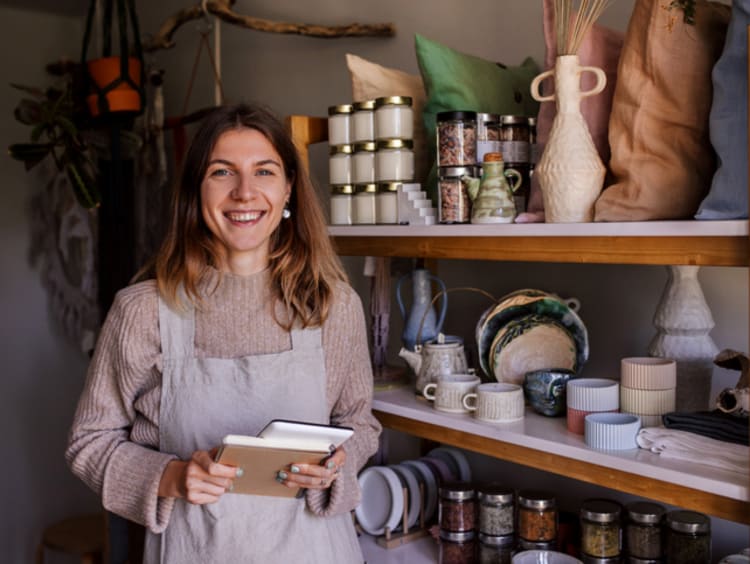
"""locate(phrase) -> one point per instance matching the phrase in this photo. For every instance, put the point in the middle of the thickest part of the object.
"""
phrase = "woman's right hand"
(199, 480)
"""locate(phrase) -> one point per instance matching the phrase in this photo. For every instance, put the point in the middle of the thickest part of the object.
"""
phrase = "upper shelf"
(703, 243)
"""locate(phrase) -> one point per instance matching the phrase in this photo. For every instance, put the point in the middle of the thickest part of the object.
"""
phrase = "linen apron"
(202, 400)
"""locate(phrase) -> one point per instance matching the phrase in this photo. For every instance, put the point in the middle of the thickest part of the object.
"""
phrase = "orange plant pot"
(123, 97)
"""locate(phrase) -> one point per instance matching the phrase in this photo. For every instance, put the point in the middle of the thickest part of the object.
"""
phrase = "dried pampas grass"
(570, 39)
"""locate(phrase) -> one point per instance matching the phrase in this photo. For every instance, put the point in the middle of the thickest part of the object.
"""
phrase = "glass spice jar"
(688, 537)
(536, 545)
(496, 510)
(340, 164)
(456, 548)
(363, 163)
(394, 160)
(534, 152)
(495, 550)
(586, 559)
(364, 204)
(341, 204)
(488, 135)
(514, 139)
(537, 516)
(634, 560)
(394, 118)
(454, 203)
(339, 124)
(386, 203)
(363, 121)
(601, 534)
(457, 507)
(643, 529)
(456, 138)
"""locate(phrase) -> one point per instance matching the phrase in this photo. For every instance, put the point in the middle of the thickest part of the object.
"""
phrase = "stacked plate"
(530, 330)
(383, 501)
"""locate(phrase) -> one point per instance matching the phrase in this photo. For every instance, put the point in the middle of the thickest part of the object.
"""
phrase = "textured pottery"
(435, 359)
(545, 390)
(570, 172)
(421, 323)
(492, 196)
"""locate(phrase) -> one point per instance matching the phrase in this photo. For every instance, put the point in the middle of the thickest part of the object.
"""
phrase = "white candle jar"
(363, 163)
(340, 164)
(394, 118)
(341, 204)
(386, 203)
(363, 121)
(339, 124)
(364, 204)
(394, 160)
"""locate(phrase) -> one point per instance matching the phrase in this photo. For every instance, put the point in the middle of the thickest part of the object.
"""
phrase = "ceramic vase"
(421, 323)
(570, 172)
(684, 321)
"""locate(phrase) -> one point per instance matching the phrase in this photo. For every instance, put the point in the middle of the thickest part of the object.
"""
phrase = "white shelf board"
(687, 228)
(420, 551)
(550, 434)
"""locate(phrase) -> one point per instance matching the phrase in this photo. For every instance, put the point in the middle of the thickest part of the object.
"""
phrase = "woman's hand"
(314, 476)
(199, 480)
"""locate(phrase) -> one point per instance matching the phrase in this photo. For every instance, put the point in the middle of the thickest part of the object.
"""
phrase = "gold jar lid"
(392, 101)
(395, 144)
(365, 188)
(340, 109)
(364, 105)
(340, 149)
(342, 189)
(514, 120)
(389, 186)
(364, 146)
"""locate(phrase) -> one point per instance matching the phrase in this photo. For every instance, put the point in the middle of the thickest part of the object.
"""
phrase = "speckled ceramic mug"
(448, 392)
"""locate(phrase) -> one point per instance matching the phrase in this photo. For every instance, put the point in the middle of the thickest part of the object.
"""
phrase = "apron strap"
(306, 339)
(177, 331)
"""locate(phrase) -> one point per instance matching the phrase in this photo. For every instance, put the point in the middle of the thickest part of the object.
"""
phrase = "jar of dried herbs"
(457, 548)
(688, 537)
(454, 202)
(456, 138)
(496, 510)
(457, 507)
(643, 530)
(537, 516)
(601, 535)
(495, 550)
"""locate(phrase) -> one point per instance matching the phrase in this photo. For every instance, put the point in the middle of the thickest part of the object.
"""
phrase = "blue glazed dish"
(545, 390)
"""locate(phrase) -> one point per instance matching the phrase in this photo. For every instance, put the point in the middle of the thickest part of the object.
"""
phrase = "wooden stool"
(83, 535)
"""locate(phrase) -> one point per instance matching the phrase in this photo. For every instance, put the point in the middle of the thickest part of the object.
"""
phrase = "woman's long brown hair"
(303, 265)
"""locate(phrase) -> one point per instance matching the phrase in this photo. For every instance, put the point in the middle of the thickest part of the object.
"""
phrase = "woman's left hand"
(314, 476)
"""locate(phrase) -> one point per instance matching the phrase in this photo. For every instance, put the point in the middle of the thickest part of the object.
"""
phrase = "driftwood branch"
(222, 10)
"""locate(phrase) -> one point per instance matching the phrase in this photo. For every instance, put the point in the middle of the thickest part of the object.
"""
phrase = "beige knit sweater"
(113, 443)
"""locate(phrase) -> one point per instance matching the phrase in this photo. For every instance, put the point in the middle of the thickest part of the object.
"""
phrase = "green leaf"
(85, 191)
(39, 93)
(28, 112)
(29, 153)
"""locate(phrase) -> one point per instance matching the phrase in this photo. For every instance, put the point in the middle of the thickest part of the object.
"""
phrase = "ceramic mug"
(495, 402)
(448, 392)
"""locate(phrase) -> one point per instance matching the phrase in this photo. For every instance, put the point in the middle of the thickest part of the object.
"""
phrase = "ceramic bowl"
(545, 390)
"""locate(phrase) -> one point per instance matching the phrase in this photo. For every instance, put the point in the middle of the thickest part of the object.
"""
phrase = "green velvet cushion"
(457, 81)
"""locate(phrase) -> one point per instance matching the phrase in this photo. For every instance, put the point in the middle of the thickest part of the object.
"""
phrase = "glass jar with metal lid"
(488, 135)
(341, 204)
(524, 544)
(363, 121)
(643, 529)
(363, 162)
(394, 118)
(457, 548)
(534, 152)
(394, 160)
(495, 550)
(454, 204)
(364, 204)
(456, 138)
(514, 139)
(586, 559)
(386, 203)
(339, 124)
(601, 533)
(496, 510)
(635, 560)
(537, 516)
(340, 164)
(457, 506)
(688, 537)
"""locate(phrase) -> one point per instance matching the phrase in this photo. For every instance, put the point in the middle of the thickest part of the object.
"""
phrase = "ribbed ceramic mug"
(448, 392)
(496, 402)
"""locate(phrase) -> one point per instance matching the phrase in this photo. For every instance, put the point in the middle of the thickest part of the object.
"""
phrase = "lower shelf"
(544, 443)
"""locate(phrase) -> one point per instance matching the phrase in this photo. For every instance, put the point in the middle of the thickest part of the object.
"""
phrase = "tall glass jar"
(688, 537)
(339, 124)
(386, 205)
(394, 160)
(495, 550)
(341, 204)
(364, 204)
(363, 121)
(457, 507)
(643, 529)
(340, 164)
(456, 138)
(601, 534)
(534, 152)
(457, 548)
(454, 202)
(363, 162)
(394, 118)
(515, 135)
(488, 135)
(496, 510)
(537, 516)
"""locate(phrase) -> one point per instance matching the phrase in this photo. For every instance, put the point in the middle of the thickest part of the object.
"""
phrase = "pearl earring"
(286, 214)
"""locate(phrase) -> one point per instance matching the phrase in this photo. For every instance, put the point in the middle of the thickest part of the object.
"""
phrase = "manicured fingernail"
(239, 473)
(294, 469)
(230, 488)
(331, 465)
(282, 475)
(279, 479)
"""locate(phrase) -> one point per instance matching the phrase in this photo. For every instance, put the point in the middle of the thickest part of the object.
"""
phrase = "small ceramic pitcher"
(492, 196)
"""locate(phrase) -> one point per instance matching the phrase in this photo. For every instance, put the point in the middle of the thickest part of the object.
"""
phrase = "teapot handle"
(399, 301)
(513, 172)
(444, 306)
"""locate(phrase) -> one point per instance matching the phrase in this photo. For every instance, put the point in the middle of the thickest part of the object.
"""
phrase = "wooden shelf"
(704, 243)
(544, 443)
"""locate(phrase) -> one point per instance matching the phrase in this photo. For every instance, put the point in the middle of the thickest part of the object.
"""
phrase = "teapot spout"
(413, 359)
